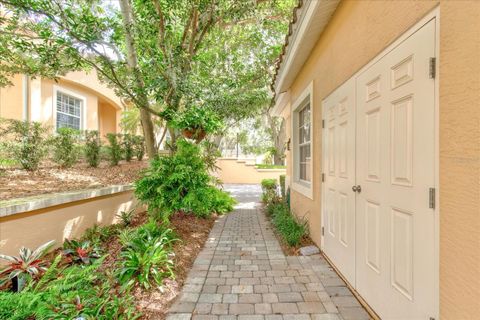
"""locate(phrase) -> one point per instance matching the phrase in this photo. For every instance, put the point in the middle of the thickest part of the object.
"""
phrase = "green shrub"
(93, 145)
(68, 293)
(282, 186)
(114, 149)
(287, 226)
(65, 150)
(127, 145)
(147, 256)
(139, 147)
(197, 117)
(28, 142)
(269, 190)
(181, 183)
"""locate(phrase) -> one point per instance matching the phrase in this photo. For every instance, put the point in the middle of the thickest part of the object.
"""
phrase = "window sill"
(303, 188)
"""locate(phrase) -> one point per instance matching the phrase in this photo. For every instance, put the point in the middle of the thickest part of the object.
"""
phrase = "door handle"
(357, 189)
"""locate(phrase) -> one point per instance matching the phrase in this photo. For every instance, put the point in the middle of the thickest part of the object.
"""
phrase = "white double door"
(379, 168)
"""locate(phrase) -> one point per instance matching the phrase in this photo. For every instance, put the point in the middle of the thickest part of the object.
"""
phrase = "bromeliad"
(80, 251)
(28, 263)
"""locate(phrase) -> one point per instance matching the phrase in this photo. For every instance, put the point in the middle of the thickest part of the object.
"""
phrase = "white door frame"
(434, 14)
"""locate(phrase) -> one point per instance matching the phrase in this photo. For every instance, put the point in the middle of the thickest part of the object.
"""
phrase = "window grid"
(68, 111)
(304, 131)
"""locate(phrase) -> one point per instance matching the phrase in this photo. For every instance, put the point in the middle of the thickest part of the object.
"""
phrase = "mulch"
(193, 233)
(50, 178)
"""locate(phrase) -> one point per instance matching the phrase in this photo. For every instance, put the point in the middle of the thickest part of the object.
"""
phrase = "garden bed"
(190, 233)
(288, 250)
(17, 183)
(193, 233)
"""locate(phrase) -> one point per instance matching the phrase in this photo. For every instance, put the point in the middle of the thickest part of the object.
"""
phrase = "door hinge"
(323, 177)
(323, 124)
(431, 198)
(432, 67)
(323, 231)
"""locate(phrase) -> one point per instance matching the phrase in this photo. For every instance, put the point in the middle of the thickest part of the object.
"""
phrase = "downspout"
(25, 92)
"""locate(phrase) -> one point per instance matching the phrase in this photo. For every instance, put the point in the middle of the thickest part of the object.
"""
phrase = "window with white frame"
(304, 143)
(69, 111)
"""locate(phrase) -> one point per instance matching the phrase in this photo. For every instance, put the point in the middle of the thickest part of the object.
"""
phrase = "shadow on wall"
(70, 220)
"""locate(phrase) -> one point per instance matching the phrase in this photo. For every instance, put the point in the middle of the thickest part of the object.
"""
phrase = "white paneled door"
(339, 176)
(393, 264)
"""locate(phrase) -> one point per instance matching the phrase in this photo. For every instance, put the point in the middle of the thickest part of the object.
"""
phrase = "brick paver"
(242, 273)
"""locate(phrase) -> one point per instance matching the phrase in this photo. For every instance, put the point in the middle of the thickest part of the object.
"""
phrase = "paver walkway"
(242, 273)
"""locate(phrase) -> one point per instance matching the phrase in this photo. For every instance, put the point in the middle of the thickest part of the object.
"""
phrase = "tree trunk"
(278, 137)
(132, 61)
(148, 133)
(279, 155)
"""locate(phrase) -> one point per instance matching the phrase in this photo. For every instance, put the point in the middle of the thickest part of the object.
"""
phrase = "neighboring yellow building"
(382, 99)
(78, 100)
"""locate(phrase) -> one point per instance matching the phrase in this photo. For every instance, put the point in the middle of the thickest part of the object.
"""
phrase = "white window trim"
(83, 111)
(301, 186)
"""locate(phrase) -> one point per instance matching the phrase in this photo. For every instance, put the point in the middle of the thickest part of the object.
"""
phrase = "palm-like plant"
(28, 263)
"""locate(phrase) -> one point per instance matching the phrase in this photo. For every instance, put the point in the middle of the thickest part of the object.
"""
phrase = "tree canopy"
(162, 56)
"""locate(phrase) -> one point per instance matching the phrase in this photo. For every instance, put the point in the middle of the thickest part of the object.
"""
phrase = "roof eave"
(313, 17)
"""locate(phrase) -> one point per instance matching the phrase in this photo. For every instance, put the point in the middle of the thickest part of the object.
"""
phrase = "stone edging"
(53, 199)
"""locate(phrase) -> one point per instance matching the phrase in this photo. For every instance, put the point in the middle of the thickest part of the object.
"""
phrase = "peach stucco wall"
(41, 96)
(357, 32)
(47, 103)
(11, 99)
(107, 116)
(233, 171)
(31, 229)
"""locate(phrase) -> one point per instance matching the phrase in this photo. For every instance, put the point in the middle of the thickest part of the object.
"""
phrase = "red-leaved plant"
(80, 251)
(28, 263)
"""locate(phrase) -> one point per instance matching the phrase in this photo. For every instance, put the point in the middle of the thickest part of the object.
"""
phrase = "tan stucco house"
(77, 100)
(382, 99)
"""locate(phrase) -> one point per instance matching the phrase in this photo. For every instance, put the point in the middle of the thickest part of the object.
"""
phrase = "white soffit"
(313, 17)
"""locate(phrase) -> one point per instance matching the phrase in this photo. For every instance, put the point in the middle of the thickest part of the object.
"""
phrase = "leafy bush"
(80, 251)
(181, 183)
(269, 188)
(282, 186)
(128, 145)
(28, 145)
(65, 150)
(28, 264)
(93, 145)
(139, 147)
(69, 293)
(197, 118)
(114, 149)
(286, 224)
(146, 259)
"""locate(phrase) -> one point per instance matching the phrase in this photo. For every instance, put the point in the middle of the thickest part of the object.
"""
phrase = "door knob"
(357, 189)
(354, 188)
